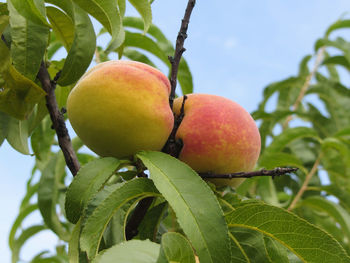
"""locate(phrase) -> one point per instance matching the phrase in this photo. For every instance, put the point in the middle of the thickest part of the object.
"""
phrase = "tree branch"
(57, 119)
(305, 184)
(179, 50)
(275, 172)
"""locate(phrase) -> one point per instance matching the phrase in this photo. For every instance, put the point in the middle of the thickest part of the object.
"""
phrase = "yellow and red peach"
(218, 135)
(120, 107)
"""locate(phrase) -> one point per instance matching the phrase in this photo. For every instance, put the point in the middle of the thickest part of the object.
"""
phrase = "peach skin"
(121, 107)
(218, 135)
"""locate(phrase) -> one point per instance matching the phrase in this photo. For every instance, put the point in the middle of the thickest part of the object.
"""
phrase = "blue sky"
(234, 49)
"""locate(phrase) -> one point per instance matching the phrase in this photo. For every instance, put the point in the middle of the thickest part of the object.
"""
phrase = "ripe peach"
(121, 107)
(218, 135)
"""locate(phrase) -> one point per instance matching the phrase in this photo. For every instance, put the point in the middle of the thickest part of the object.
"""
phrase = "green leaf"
(288, 136)
(33, 10)
(150, 223)
(339, 214)
(337, 25)
(137, 56)
(62, 25)
(25, 235)
(337, 60)
(89, 180)
(28, 45)
(146, 43)
(134, 251)
(83, 46)
(207, 230)
(251, 244)
(184, 75)
(4, 123)
(18, 95)
(175, 248)
(306, 241)
(267, 191)
(73, 248)
(19, 219)
(104, 205)
(280, 159)
(122, 7)
(144, 8)
(275, 251)
(17, 135)
(48, 196)
(115, 231)
(42, 139)
(106, 12)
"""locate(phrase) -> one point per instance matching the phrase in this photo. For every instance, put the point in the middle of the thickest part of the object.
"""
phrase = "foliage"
(308, 128)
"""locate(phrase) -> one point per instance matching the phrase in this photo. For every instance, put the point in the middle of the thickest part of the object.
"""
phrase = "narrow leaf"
(33, 10)
(338, 25)
(337, 60)
(62, 25)
(175, 248)
(17, 135)
(28, 45)
(134, 251)
(25, 235)
(48, 197)
(89, 180)
(288, 136)
(207, 230)
(311, 244)
(82, 50)
(144, 8)
(333, 210)
(104, 205)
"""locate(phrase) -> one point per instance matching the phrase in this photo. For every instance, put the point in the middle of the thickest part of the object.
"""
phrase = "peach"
(121, 107)
(218, 136)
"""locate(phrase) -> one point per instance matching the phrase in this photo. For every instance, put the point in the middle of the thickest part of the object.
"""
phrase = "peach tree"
(152, 206)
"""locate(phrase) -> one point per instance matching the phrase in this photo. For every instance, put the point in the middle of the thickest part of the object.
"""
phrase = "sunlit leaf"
(17, 135)
(144, 8)
(89, 180)
(29, 41)
(134, 251)
(175, 248)
(207, 230)
(62, 25)
(338, 25)
(24, 236)
(312, 244)
(104, 205)
(48, 197)
(332, 209)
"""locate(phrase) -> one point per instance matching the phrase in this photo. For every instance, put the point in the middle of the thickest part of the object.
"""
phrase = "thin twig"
(306, 85)
(275, 172)
(179, 50)
(305, 184)
(57, 119)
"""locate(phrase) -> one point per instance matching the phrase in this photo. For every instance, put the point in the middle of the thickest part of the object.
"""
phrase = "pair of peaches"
(121, 107)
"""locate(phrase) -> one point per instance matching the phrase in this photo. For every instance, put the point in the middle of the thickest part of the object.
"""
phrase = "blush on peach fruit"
(121, 107)
(218, 136)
